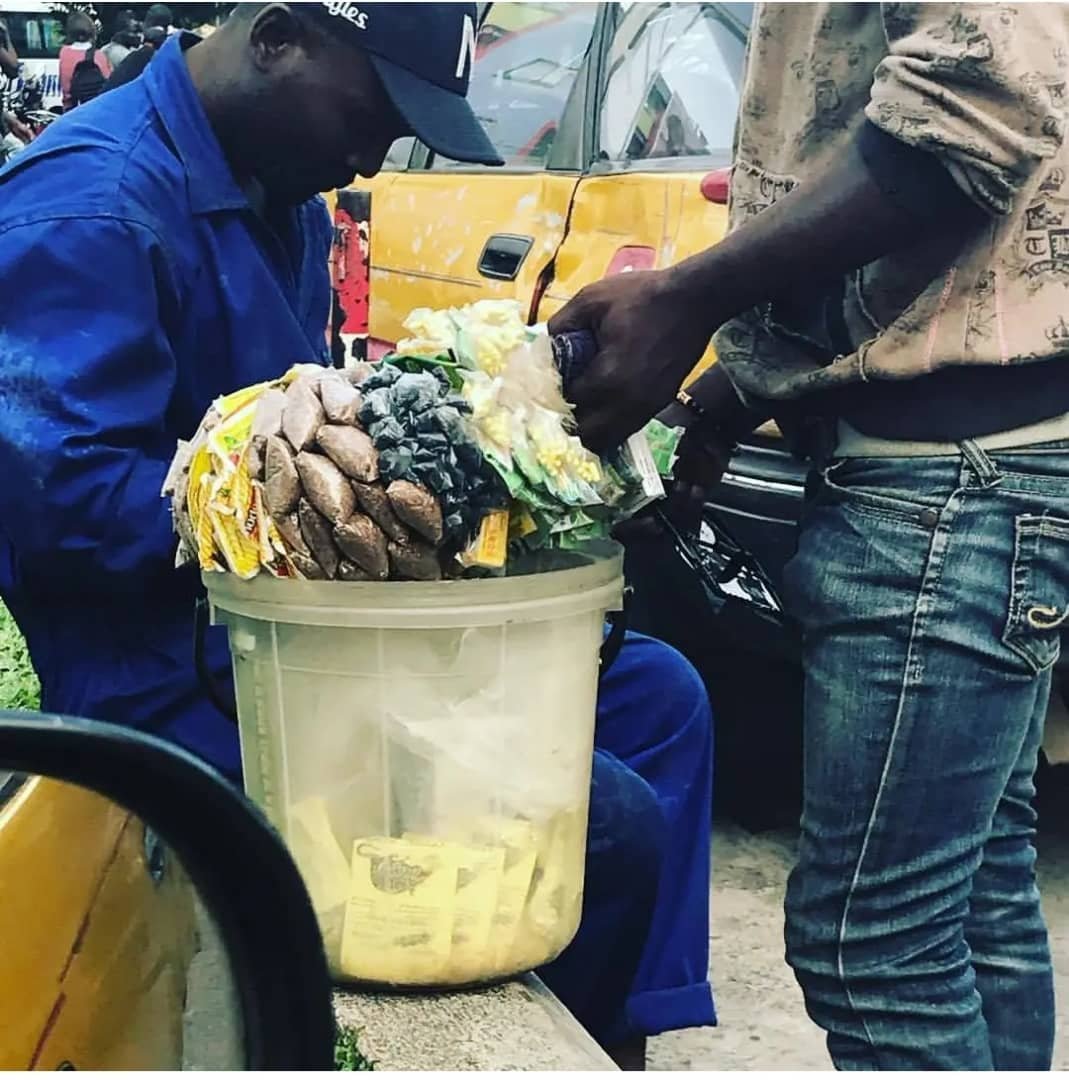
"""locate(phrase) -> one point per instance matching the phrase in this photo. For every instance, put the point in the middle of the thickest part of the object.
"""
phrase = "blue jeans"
(640, 962)
(930, 592)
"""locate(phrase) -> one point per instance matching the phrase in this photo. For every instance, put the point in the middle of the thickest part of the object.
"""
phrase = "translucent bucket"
(425, 749)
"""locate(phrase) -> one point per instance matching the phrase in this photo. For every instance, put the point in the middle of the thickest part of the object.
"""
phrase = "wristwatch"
(704, 424)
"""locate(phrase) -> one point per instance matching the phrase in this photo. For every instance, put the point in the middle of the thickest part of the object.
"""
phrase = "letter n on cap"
(467, 46)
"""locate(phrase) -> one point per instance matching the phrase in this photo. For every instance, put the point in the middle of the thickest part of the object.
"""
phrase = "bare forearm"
(824, 228)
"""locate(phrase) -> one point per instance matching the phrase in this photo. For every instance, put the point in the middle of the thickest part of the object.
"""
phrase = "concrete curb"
(518, 1026)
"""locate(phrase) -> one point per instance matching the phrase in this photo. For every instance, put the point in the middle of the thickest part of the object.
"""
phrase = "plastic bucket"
(425, 749)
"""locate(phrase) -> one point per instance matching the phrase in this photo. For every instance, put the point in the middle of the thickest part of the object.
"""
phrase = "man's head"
(127, 29)
(80, 27)
(159, 15)
(305, 96)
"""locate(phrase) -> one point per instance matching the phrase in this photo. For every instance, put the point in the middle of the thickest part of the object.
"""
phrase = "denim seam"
(910, 677)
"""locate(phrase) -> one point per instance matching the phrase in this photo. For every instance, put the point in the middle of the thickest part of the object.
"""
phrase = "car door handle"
(503, 256)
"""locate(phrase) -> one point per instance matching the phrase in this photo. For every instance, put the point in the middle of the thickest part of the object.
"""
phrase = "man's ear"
(275, 34)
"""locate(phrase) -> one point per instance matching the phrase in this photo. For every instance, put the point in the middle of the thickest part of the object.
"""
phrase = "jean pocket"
(1039, 596)
(844, 484)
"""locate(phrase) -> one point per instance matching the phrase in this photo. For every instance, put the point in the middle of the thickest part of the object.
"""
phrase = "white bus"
(36, 31)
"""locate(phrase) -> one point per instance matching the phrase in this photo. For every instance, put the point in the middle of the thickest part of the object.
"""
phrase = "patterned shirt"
(980, 86)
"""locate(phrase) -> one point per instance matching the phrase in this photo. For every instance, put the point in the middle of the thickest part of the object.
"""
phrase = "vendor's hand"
(650, 336)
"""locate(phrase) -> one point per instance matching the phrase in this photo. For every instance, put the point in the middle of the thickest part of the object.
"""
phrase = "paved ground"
(762, 1021)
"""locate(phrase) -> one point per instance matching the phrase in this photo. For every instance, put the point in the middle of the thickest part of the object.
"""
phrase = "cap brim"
(442, 120)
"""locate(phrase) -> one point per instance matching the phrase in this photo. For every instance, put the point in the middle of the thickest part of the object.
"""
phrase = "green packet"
(664, 445)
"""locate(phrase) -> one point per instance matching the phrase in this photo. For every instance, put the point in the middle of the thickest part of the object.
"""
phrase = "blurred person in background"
(139, 59)
(125, 38)
(9, 58)
(158, 27)
(80, 49)
(162, 16)
(14, 134)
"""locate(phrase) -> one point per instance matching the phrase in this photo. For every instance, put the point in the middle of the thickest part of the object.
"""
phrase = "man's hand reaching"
(649, 336)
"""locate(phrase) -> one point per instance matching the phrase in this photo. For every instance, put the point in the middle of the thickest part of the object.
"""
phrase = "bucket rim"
(594, 584)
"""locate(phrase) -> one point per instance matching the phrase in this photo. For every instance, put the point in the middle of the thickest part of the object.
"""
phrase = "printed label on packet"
(479, 871)
(638, 448)
(491, 548)
(229, 510)
(399, 919)
(229, 440)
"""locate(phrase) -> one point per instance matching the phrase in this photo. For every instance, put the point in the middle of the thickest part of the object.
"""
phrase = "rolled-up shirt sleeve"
(86, 377)
(981, 86)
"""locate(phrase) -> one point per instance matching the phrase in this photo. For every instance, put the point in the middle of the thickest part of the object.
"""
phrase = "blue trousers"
(931, 592)
(639, 964)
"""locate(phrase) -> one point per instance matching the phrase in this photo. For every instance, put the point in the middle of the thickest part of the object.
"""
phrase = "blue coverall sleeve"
(86, 377)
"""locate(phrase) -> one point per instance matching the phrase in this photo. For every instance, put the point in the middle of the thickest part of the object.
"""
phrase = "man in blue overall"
(158, 250)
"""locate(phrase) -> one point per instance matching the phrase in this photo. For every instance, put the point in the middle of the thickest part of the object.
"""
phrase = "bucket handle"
(614, 639)
(201, 622)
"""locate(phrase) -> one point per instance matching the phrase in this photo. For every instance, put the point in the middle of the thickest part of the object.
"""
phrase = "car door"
(96, 942)
(663, 124)
(443, 233)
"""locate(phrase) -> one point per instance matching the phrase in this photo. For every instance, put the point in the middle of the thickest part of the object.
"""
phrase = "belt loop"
(983, 467)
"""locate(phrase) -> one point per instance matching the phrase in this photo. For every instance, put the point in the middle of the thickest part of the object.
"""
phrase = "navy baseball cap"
(423, 53)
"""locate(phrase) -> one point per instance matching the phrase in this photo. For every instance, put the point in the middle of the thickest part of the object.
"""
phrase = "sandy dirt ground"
(763, 1024)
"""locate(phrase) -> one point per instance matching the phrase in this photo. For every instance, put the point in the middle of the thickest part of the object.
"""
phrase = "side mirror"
(173, 916)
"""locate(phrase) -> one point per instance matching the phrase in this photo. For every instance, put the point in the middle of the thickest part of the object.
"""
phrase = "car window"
(527, 58)
(9, 783)
(672, 85)
(35, 37)
(398, 155)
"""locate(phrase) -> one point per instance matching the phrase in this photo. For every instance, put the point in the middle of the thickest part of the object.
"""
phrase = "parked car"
(97, 933)
(123, 856)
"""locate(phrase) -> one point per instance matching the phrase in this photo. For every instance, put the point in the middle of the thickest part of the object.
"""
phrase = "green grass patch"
(347, 1055)
(19, 688)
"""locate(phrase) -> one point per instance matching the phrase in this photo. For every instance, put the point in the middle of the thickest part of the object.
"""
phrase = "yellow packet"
(479, 871)
(318, 854)
(520, 843)
(521, 523)
(557, 885)
(490, 547)
(273, 554)
(399, 920)
(203, 529)
(231, 403)
(229, 439)
(230, 519)
(200, 470)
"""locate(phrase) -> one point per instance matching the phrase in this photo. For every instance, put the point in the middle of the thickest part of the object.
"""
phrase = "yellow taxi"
(615, 122)
(98, 930)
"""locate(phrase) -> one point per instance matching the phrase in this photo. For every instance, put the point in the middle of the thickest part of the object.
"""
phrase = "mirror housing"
(234, 857)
